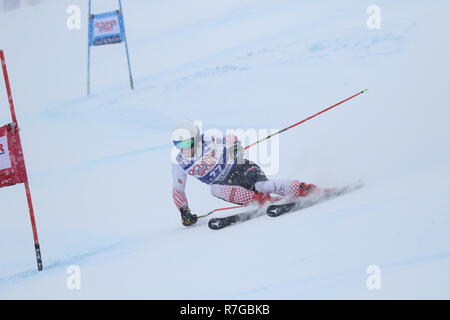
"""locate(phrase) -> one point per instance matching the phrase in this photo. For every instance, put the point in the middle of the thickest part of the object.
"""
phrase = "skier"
(218, 161)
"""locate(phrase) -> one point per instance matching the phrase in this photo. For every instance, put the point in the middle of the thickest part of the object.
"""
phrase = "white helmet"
(185, 133)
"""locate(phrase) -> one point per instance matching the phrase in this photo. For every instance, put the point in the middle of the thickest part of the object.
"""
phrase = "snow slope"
(100, 166)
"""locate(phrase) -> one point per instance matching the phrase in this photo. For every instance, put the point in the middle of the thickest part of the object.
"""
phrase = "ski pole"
(282, 130)
(304, 120)
(220, 209)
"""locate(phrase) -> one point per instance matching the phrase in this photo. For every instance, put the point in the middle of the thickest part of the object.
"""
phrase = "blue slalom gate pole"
(126, 45)
(89, 52)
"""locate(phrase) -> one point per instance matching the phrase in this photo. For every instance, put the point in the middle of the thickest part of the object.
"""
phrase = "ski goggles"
(184, 144)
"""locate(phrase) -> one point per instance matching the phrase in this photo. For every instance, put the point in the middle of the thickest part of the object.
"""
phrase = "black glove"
(187, 218)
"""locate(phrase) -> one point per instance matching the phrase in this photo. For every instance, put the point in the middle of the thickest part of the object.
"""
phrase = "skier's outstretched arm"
(179, 195)
(178, 186)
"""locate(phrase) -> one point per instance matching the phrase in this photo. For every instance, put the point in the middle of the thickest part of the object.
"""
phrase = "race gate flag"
(5, 161)
(12, 163)
(105, 29)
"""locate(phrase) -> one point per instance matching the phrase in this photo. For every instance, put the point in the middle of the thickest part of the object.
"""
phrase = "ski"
(220, 223)
(276, 210)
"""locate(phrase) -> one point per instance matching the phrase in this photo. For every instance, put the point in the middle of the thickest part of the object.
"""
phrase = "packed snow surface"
(99, 166)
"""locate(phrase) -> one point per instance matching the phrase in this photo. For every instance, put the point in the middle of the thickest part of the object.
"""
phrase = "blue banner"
(106, 28)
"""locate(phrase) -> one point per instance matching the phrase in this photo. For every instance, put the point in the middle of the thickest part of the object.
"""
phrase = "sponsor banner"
(5, 162)
(106, 28)
(12, 165)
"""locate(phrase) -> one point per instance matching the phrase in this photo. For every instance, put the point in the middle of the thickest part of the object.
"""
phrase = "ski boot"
(263, 199)
(306, 189)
